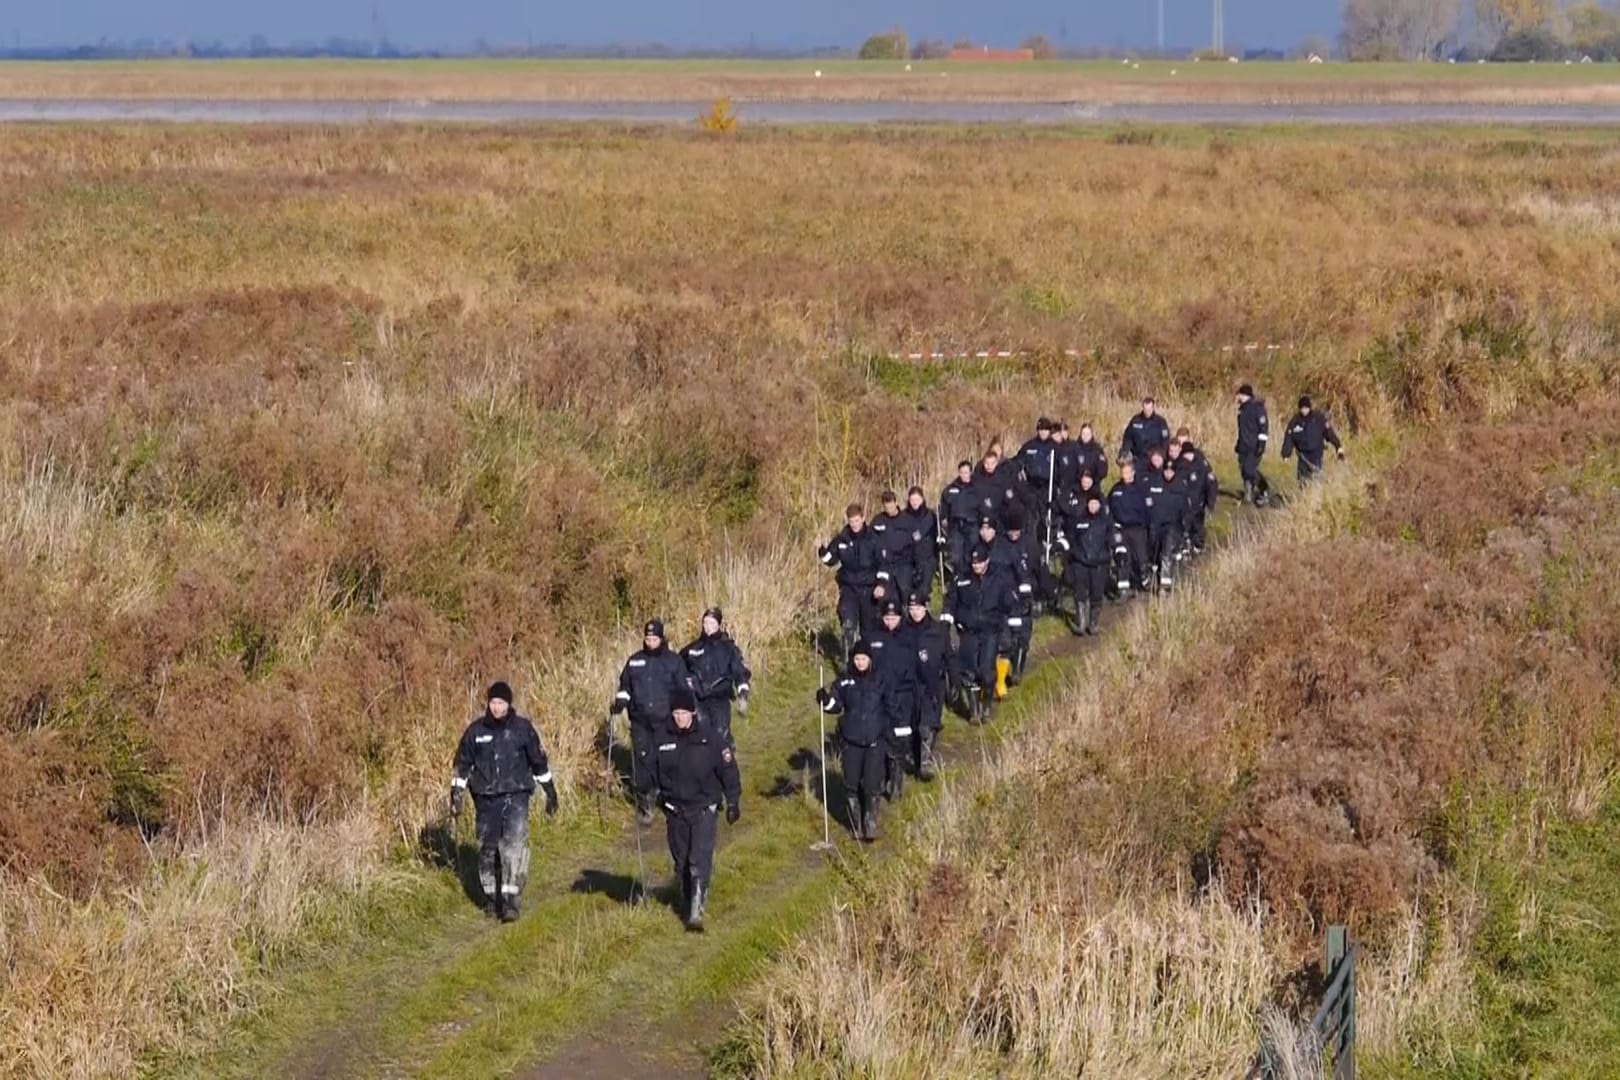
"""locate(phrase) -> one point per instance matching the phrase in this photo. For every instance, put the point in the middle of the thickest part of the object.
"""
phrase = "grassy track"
(440, 990)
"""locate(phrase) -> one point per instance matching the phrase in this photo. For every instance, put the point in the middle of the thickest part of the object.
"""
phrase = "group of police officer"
(1001, 527)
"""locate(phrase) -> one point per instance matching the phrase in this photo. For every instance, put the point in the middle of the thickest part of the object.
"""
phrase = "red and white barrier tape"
(1021, 354)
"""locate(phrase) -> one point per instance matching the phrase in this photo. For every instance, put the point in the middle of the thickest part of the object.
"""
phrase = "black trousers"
(928, 712)
(1196, 529)
(857, 610)
(976, 657)
(1166, 542)
(1249, 466)
(960, 544)
(643, 745)
(1306, 471)
(1020, 632)
(717, 711)
(503, 843)
(1135, 566)
(902, 726)
(1089, 583)
(865, 768)
(691, 831)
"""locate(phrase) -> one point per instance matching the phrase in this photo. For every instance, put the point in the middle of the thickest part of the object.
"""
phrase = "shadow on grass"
(441, 848)
(805, 762)
(625, 890)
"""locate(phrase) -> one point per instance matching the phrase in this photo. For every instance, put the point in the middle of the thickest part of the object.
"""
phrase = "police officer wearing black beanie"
(501, 761)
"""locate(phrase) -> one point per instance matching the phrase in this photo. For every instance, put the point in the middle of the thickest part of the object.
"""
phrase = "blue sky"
(788, 23)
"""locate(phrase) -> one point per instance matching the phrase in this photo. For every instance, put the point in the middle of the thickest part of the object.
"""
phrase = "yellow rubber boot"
(1003, 666)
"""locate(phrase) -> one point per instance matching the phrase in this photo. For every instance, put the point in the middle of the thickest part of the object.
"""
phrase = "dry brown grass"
(307, 435)
(840, 81)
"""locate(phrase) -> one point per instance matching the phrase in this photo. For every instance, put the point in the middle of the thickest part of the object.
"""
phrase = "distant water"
(785, 112)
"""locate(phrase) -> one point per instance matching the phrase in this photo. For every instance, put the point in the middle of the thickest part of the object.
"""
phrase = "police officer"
(925, 540)
(1203, 491)
(719, 673)
(650, 676)
(979, 608)
(501, 761)
(896, 665)
(1127, 505)
(1167, 509)
(992, 485)
(929, 640)
(695, 768)
(860, 699)
(1065, 461)
(1089, 542)
(1092, 457)
(1253, 432)
(1310, 434)
(1145, 431)
(959, 513)
(1022, 561)
(1038, 460)
(854, 554)
(892, 532)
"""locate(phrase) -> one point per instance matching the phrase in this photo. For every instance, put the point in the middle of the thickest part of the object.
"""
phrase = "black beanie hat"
(1305, 402)
(682, 700)
(655, 628)
(499, 692)
(719, 616)
(1246, 390)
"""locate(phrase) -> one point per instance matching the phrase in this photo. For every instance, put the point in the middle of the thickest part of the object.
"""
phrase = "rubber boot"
(1003, 669)
(1082, 617)
(1248, 492)
(927, 768)
(1020, 663)
(509, 909)
(897, 779)
(694, 917)
(857, 826)
(869, 823)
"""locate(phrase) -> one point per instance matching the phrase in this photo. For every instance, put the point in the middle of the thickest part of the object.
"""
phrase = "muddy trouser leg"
(1306, 471)
(849, 616)
(1166, 538)
(1197, 533)
(514, 845)
(488, 827)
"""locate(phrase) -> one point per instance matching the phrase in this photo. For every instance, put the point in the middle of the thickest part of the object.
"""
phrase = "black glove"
(456, 796)
(822, 697)
(616, 708)
(733, 812)
(821, 551)
(551, 799)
